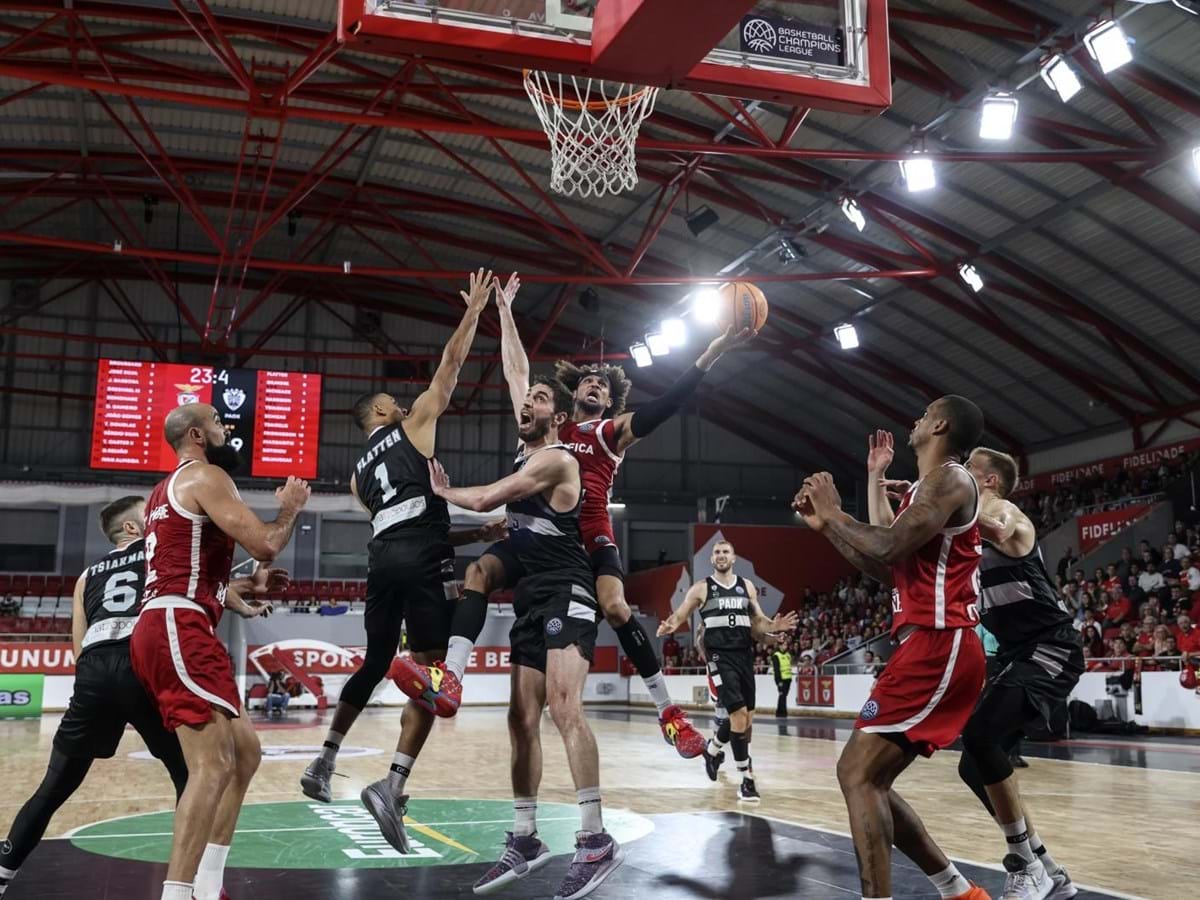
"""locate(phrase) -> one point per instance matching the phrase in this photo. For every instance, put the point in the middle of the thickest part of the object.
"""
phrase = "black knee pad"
(723, 731)
(362, 683)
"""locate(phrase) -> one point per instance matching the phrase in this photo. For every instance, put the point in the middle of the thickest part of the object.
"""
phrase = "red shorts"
(928, 689)
(179, 660)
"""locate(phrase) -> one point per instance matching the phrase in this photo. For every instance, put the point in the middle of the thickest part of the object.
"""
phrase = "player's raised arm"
(433, 401)
(633, 426)
(880, 452)
(542, 472)
(870, 567)
(512, 353)
(218, 499)
(691, 602)
(763, 627)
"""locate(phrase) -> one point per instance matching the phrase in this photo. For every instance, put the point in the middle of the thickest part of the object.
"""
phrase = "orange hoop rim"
(591, 105)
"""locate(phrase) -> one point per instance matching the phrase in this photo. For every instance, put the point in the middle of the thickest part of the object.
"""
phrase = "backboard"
(828, 54)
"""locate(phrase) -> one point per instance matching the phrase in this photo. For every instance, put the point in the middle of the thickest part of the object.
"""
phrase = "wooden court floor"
(1125, 826)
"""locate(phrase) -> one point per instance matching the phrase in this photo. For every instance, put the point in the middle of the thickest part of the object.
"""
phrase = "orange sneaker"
(435, 687)
(680, 733)
(975, 893)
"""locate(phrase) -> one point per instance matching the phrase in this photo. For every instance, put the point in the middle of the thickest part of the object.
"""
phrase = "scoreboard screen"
(275, 416)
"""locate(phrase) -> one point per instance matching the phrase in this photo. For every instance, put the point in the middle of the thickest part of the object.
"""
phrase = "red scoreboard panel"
(275, 416)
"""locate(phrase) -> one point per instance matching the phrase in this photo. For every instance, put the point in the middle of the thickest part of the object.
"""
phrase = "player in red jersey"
(929, 552)
(194, 517)
(599, 433)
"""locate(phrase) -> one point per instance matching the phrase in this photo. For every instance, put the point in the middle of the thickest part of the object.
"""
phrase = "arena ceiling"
(1085, 226)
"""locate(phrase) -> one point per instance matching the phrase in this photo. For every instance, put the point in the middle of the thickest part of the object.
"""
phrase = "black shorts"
(108, 696)
(410, 581)
(732, 673)
(553, 611)
(1046, 671)
(605, 561)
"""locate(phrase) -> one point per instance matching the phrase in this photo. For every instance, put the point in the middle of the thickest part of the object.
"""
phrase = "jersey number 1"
(381, 475)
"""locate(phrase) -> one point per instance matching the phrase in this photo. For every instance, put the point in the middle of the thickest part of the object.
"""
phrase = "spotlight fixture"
(657, 343)
(847, 336)
(1108, 45)
(641, 355)
(851, 210)
(701, 220)
(971, 276)
(1058, 74)
(706, 304)
(1196, 159)
(675, 331)
(788, 252)
(919, 173)
(997, 114)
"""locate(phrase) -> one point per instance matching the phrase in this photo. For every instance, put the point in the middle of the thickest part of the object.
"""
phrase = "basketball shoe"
(747, 792)
(712, 763)
(522, 854)
(596, 857)
(435, 687)
(1026, 880)
(315, 780)
(975, 893)
(680, 733)
(1064, 888)
(388, 812)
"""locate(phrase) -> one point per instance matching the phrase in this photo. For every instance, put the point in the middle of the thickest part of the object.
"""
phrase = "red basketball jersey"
(187, 556)
(937, 586)
(594, 445)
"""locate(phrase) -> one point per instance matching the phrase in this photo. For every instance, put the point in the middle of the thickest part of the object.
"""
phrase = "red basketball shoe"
(224, 895)
(680, 733)
(435, 687)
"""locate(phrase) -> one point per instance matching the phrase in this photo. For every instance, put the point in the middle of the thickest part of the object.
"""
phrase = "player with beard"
(194, 518)
(598, 433)
(410, 568)
(733, 621)
(929, 552)
(552, 639)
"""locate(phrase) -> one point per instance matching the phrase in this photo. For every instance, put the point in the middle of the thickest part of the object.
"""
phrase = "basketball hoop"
(593, 127)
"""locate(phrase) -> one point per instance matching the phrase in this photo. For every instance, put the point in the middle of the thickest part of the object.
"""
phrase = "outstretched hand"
(723, 343)
(880, 451)
(476, 295)
(507, 293)
(439, 481)
(896, 489)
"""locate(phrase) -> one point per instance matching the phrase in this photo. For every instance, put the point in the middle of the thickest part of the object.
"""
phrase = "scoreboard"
(275, 416)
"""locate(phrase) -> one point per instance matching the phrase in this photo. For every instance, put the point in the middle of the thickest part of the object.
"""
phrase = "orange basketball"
(743, 305)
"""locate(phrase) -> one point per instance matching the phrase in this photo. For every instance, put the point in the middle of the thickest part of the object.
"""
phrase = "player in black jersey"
(733, 621)
(410, 567)
(552, 639)
(1037, 665)
(107, 694)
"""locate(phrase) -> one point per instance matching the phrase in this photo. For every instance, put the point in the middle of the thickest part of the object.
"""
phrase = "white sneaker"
(1026, 881)
(1064, 888)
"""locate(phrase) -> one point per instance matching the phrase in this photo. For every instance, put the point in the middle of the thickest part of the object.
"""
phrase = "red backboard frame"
(389, 35)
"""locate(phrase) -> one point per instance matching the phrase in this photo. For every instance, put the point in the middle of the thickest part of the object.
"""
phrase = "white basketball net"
(593, 127)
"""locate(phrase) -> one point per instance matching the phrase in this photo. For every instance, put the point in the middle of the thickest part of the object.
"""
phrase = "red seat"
(20, 585)
(37, 586)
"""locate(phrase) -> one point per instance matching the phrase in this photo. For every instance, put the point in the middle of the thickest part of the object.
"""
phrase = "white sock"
(6, 875)
(211, 874)
(1035, 843)
(458, 655)
(589, 810)
(333, 743)
(525, 811)
(714, 746)
(401, 768)
(1016, 837)
(176, 890)
(657, 686)
(949, 882)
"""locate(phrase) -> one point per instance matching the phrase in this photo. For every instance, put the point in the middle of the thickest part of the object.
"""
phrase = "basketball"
(743, 305)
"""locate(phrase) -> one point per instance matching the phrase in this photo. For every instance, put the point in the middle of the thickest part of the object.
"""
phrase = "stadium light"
(847, 336)
(675, 331)
(641, 355)
(851, 211)
(615, 506)
(971, 276)
(997, 115)
(707, 305)
(657, 343)
(1108, 45)
(1196, 159)
(919, 174)
(1058, 75)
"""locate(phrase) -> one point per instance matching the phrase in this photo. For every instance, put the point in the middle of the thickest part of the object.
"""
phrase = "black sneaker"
(748, 793)
(712, 763)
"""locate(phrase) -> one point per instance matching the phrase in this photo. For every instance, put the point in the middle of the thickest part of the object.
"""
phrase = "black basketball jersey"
(543, 539)
(726, 615)
(392, 480)
(112, 594)
(1018, 602)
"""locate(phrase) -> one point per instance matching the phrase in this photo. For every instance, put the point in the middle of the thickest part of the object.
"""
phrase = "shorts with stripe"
(554, 611)
(182, 664)
(928, 689)
(1046, 670)
(731, 672)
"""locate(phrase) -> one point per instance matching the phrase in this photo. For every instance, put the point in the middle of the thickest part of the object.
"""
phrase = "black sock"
(636, 644)
(470, 615)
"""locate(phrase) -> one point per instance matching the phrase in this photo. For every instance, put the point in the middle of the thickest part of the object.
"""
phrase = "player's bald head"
(182, 418)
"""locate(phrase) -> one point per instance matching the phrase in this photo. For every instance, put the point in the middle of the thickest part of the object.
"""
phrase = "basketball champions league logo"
(759, 35)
